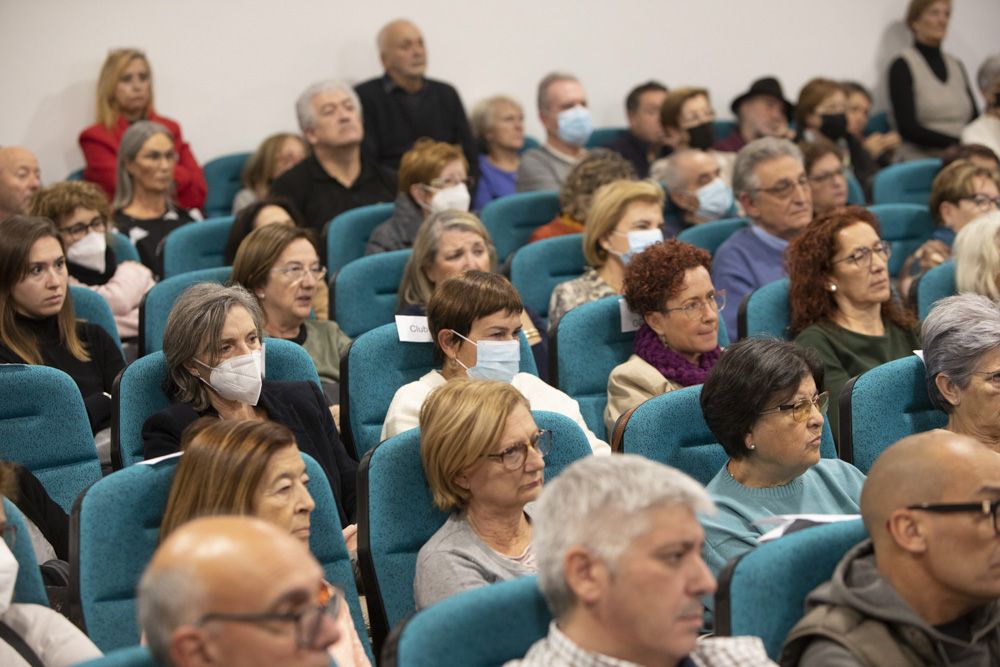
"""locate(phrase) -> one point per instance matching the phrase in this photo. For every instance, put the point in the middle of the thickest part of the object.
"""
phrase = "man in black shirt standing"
(403, 105)
(335, 177)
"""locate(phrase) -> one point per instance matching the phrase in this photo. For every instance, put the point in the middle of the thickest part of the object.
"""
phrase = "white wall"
(229, 70)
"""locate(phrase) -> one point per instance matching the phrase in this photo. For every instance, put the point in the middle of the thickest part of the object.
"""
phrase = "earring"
(751, 447)
(832, 287)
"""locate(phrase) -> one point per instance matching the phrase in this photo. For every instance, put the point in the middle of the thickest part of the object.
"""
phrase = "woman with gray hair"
(214, 350)
(962, 360)
(985, 130)
(498, 123)
(144, 199)
(976, 253)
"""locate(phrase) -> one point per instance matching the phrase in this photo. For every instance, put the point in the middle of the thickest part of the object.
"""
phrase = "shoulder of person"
(169, 123)
(839, 469)
(97, 132)
(369, 87)
(285, 390)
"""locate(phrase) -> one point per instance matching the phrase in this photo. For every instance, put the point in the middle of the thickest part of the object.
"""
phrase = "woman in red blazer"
(125, 95)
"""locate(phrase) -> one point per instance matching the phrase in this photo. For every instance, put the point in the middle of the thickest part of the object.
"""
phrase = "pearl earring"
(832, 287)
(751, 446)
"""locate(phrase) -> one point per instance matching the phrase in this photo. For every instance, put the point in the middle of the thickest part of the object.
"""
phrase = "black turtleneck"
(904, 106)
(94, 377)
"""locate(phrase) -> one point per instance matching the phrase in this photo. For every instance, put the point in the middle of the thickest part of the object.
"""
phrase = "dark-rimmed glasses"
(803, 408)
(863, 256)
(81, 228)
(826, 176)
(514, 456)
(982, 507)
(786, 187)
(983, 202)
(695, 308)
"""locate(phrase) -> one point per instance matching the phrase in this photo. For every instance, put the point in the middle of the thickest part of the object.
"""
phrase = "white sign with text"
(630, 321)
(413, 329)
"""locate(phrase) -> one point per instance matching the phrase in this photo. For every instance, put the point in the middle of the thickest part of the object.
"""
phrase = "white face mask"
(8, 576)
(495, 359)
(89, 252)
(454, 198)
(238, 378)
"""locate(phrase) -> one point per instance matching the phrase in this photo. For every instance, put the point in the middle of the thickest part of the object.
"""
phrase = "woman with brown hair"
(841, 299)
(824, 162)
(275, 155)
(125, 95)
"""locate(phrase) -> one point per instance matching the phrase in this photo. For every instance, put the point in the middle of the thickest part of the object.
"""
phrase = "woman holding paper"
(764, 401)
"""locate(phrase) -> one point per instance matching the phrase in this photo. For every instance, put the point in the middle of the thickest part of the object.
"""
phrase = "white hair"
(756, 152)
(976, 252)
(989, 72)
(168, 599)
(601, 502)
(303, 106)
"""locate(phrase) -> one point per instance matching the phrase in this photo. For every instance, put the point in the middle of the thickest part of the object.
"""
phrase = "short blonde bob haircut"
(607, 209)
(425, 162)
(107, 82)
(460, 423)
(977, 256)
(956, 181)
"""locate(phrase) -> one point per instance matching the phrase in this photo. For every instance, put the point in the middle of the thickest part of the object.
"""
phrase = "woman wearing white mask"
(82, 214)
(624, 219)
(475, 321)
(213, 344)
(433, 177)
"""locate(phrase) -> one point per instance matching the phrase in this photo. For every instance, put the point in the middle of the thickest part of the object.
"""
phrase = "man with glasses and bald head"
(923, 590)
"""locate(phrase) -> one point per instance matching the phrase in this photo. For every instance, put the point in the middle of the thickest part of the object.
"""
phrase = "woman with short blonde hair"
(498, 124)
(977, 257)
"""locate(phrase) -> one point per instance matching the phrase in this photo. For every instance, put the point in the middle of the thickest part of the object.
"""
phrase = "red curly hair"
(657, 273)
(808, 261)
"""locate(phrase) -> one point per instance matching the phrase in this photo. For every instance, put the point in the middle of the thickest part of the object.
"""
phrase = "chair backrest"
(511, 220)
(134, 656)
(905, 182)
(123, 247)
(882, 405)
(222, 175)
(200, 245)
(138, 393)
(723, 128)
(116, 526)
(375, 365)
(508, 617)
(75, 175)
(907, 226)
(29, 587)
(365, 291)
(712, 234)
(671, 429)
(44, 427)
(90, 306)
(348, 234)
(878, 122)
(538, 267)
(396, 515)
(602, 136)
(777, 576)
(529, 143)
(855, 193)
(765, 311)
(935, 285)
(155, 307)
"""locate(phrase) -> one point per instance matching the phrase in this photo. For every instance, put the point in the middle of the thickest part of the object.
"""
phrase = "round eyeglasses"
(694, 308)
(514, 456)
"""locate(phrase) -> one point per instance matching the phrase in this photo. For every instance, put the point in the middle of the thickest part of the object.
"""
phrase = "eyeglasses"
(695, 308)
(983, 507)
(784, 189)
(297, 272)
(514, 457)
(802, 409)
(9, 532)
(863, 256)
(827, 176)
(442, 183)
(983, 202)
(81, 228)
(307, 621)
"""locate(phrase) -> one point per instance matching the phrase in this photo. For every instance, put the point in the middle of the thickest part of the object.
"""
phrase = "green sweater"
(325, 343)
(846, 354)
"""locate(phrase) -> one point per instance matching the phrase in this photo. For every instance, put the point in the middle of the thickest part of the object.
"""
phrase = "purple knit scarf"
(671, 365)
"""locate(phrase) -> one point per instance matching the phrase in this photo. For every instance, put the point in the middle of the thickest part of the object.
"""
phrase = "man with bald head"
(20, 178)
(923, 590)
(403, 105)
(236, 591)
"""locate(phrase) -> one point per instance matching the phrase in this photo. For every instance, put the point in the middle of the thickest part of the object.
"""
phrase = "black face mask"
(833, 125)
(702, 136)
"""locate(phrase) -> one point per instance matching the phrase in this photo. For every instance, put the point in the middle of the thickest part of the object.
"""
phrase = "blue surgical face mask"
(495, 359)
(714, 200)
(575, 125)
(638, 241)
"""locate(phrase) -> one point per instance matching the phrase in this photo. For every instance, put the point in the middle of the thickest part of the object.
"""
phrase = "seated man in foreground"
(923, 590)
(618, 547)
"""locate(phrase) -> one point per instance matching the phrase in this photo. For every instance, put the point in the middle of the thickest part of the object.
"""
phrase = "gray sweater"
(541, 169)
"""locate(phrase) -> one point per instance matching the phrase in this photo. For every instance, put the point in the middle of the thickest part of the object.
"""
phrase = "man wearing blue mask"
(697, 193)
(562, 108)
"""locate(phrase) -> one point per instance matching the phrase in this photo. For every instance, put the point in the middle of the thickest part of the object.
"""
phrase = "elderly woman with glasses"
(764, 401)
(482, 455)
(962, 363)
(669, 284)
(841, 299)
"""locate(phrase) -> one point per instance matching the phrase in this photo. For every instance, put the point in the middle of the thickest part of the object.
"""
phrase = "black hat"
(766, 86)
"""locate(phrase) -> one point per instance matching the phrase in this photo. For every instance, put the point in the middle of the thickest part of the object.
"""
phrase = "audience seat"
(223, 175)
(198, 245)
(28, 587)
(374, 366)
(90, 306)
(529, 143)
(762, 592)
(396, 516)
(935, 285)
(723, 128)
(114, 531)
(671, 429)
(44, 427)
(512, 219)
(509, 617)
(347, 234)
(878, 122)
(124, 250)
(155, 307)
(855, 193)
(907, 226)
(538, 267)
(138, 393)
(765, 311)
(711, 235)
(602, 136)
(883, 405)
(76, 175)
(135, 656)
(905, 182)
(364, 293)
